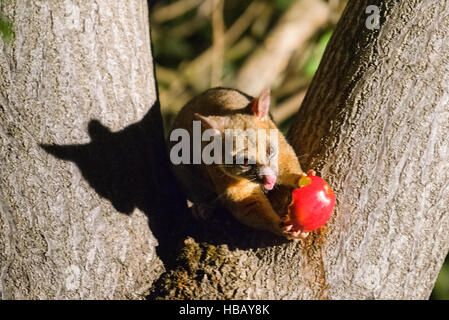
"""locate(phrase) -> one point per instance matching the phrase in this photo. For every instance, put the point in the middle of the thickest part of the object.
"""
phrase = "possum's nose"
(268, 176)
(269, 182)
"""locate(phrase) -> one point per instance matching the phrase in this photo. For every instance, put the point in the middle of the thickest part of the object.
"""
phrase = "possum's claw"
(290, 233)
(311, 172)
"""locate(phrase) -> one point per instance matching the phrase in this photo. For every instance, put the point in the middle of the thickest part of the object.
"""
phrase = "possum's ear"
(213, 122)
(261, 104)
(98, 131)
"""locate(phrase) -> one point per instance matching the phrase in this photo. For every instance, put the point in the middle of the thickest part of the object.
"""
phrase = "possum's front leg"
(250, 206)
(289, 169)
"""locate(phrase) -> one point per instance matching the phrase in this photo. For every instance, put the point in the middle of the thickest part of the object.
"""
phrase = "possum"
(242, 184)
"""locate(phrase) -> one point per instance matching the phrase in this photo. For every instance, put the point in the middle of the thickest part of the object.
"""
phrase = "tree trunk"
(77, 84)
(374, 124)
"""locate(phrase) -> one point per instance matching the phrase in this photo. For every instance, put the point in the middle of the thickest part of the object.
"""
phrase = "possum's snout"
(268, 176)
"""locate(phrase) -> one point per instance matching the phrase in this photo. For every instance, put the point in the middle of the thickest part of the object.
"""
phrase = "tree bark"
(374, 124)
(77, 85)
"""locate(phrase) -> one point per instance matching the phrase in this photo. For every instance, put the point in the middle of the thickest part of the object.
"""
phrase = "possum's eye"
(244, 160)
(271, 152)
(247, 165)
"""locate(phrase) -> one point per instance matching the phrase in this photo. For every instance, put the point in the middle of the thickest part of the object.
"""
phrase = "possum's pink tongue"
(269, 182)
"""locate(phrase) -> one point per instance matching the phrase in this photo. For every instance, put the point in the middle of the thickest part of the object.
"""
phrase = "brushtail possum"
(241, 186)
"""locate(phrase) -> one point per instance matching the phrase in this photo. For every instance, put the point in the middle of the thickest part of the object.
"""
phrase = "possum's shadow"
(130, 168)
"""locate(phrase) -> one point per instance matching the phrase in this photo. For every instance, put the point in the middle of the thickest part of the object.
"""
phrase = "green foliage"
(6, 30)
(314, 60)
(173, 50)
(441, 290)
(282, 5)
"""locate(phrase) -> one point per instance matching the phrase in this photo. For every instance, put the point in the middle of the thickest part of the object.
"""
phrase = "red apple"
(312, 204)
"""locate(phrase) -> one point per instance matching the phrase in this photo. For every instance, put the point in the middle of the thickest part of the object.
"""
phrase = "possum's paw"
(290, 233)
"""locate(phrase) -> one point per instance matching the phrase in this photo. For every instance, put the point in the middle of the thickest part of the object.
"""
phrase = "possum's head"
(249, 142)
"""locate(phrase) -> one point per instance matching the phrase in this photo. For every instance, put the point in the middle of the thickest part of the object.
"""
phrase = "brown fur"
(245, 199)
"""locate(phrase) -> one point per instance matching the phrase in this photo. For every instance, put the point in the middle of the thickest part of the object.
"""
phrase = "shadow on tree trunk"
(130, 168)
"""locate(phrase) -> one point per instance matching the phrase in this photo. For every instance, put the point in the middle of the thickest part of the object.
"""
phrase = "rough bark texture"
(80, 138)
(374, 123)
